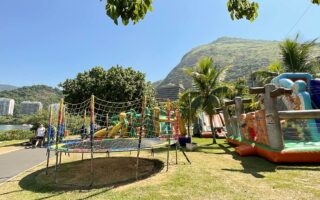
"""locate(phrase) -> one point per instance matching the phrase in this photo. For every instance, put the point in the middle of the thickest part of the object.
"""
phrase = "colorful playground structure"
(162, 121)
(132, 126)
(286, 128)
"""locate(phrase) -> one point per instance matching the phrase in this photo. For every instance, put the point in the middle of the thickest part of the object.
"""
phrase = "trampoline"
(111, 145)
(125, 130)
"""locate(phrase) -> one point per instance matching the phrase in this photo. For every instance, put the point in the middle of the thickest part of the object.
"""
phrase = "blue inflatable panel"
(315, 97)
(315, 93)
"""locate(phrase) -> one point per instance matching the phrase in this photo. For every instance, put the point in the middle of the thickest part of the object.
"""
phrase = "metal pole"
(48, 158)
(84, 125)
(48, 140)
(56, 168)
(91, 137)
(184, 154)
(107, 124)
(168, 151)
(60, 159)
(57, 137)
(91, 166)
(140, 135)
(176, 152)
(138, 154)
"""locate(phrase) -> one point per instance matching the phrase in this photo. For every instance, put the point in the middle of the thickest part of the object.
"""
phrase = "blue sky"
(47, 41)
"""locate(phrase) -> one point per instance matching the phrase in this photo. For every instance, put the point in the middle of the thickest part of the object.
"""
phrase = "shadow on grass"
(251, 165)
(255, 165)
(209, 149)
(108, 173)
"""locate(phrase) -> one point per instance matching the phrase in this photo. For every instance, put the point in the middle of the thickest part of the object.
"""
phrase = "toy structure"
(286, 128)
(164, 120)
(131, 127)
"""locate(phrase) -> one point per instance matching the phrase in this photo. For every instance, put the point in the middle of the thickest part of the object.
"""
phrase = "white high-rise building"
(6, 106)
(30, 107)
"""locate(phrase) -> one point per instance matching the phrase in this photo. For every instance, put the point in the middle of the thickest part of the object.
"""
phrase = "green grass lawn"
(216, 172)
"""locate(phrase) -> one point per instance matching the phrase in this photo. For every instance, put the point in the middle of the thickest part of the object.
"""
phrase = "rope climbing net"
(97, 120)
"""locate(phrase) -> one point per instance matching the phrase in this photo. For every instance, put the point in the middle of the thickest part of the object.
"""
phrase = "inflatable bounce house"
(217, 122)
(287, 126)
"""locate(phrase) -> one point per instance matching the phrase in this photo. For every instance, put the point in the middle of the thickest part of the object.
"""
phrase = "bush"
(15, 135)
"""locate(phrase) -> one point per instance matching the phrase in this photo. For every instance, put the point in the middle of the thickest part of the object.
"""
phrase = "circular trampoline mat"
(111, 145)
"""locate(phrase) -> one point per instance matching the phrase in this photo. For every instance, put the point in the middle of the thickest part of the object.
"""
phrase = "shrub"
(15, 135)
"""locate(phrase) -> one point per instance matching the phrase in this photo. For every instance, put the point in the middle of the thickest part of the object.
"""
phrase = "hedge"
(15, 135)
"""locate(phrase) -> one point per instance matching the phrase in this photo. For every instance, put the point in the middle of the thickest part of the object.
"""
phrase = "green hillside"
(242, 55)
(7, 87)
(45, 94)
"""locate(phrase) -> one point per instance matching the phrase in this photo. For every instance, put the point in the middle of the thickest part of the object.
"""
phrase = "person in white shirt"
(41, 131)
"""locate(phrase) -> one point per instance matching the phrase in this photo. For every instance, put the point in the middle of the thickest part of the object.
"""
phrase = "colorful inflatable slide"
(286, 128)
(218, 124)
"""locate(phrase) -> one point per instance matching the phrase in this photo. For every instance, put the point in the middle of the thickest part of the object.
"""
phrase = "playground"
(128, 150)
(160, 100)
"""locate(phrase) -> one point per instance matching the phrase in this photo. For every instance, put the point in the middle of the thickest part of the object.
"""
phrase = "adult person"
(41, 131)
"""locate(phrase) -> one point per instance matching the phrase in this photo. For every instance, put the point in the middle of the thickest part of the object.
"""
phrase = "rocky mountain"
(4, 87)
(156, 84)
(242, 56)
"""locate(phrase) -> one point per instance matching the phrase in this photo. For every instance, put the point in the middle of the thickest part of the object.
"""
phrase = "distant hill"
(156, 84)
(242, 55)
(45, 94)
(4, 87)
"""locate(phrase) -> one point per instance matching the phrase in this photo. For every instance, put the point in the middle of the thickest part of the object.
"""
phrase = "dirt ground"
(107, 171)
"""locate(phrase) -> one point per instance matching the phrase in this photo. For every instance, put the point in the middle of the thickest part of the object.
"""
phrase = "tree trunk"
(212, 130)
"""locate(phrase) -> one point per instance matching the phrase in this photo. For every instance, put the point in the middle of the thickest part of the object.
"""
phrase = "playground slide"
(101, 133)
(217, 122)
(113, 132)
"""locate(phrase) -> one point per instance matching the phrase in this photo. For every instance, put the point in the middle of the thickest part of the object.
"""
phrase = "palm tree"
(296, 57)
(208, 88)
(264, 76)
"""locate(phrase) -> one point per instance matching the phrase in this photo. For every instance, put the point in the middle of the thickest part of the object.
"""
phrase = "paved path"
(18, 161)
(8, 149)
